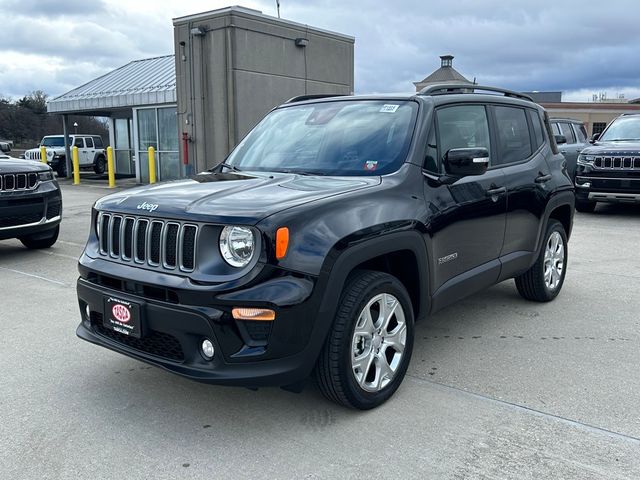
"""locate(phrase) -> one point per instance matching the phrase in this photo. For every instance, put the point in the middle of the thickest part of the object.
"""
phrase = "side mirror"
(594, 138)
(5, 147)
(560, 139)
(463, 162)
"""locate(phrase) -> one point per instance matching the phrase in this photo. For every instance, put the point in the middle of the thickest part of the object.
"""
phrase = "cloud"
(56, 46)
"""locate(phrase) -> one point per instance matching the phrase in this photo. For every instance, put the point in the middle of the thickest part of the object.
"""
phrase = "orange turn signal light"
(256, 314)
(282, 242)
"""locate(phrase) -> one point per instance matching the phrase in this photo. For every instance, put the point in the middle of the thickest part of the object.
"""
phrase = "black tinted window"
(513, 134)
(98, 142)
(78, 142)
(462, 126)
(581, 133)
(89, 142)
(567, 131)
(534, 118)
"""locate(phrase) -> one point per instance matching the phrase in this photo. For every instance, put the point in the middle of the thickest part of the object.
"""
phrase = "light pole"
(75, 127)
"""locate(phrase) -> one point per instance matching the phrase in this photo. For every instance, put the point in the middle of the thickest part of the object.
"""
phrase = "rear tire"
(37, 240)
(585, 206)
(99, 166)
(367, 351)
(543, 281)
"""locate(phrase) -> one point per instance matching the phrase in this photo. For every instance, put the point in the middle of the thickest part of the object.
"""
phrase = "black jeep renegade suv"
(609, 170)
(328, 230)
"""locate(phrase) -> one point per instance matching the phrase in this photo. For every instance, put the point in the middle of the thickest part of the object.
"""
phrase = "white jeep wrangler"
(91, 153)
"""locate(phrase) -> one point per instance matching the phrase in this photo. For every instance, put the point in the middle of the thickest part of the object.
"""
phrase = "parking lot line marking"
(35, 276)
(533, 411)
(71, 257)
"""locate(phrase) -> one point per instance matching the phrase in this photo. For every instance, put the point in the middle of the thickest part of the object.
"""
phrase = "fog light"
(87, 312)
(207, 349)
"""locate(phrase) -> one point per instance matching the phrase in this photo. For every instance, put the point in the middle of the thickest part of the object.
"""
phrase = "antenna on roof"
(278, 7)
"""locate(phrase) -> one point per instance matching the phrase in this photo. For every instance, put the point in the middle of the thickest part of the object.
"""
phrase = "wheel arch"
(401, 254)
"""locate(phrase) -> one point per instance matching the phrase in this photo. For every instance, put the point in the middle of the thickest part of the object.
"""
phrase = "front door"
(467, 218)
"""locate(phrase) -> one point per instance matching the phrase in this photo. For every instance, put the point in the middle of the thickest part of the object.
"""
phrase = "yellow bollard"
(152, 165)
(110, 168)
(76, 166)
(43, 154)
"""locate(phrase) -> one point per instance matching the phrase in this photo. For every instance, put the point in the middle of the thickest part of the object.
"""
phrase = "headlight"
(237, 245)
(45, 176)
(585, 160)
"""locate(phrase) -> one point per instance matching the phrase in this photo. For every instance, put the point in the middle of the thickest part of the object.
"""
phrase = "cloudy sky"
(56, 45)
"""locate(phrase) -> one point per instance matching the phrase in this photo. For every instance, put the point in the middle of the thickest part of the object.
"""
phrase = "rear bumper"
(173, 334)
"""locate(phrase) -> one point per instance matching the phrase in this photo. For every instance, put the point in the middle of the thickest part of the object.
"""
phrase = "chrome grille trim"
(18, 182)
(617, 162)
(145, 241)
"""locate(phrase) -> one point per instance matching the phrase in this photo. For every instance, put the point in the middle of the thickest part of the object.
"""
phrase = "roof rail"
(314, 96)
(453, 88)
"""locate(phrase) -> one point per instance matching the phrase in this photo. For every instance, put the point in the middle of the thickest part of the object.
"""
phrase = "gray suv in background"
(575, 135)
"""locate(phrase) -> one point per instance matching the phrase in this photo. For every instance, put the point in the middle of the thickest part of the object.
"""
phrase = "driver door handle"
(496, 191)
(543, 178)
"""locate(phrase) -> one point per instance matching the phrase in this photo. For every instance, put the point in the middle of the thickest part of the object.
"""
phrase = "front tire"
(99, 166)
(367, 352)
(38, 240)
(543, 281)
(585, 206)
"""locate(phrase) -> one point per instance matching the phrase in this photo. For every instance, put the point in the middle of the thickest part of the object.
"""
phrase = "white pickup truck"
(91, 153)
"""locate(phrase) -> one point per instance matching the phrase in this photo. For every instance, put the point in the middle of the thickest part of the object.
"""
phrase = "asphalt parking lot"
(497, 387)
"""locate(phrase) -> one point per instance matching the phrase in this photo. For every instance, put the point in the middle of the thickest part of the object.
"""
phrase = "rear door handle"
(543, 178)
(496, 191)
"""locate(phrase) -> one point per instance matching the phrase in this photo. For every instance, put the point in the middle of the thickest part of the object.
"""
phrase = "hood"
(16, 165)
(631, 148)
(237, 198)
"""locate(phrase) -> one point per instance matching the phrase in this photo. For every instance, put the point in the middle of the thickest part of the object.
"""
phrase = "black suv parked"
(30, 203)
(332, 226)
(609, 170)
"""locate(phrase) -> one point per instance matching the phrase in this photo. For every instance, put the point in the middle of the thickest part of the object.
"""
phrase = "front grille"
(155, 343)
(156, 243)
(617, 163)
(17, 220)
(10, 182)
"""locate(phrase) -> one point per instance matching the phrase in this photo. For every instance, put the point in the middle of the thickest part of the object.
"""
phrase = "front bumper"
(29, 212)
(174, 331)
(604, 186)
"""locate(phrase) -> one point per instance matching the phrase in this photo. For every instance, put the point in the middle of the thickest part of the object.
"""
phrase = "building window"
(598, 127)
(158, 128)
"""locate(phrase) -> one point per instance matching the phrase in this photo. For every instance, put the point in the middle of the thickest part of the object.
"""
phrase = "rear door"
(88, 151)
(522, 153)
(571, 149)
(467, 218)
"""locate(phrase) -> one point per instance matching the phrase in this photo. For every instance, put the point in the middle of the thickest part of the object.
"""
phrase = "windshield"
(623, 128)
(333, 138)
(53, 142)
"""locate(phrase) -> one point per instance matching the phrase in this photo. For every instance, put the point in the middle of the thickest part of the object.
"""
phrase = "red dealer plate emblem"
(121, 313)
(122, 316)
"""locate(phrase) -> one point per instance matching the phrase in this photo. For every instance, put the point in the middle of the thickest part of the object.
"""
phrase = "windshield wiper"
(621, 140)
(300, 172)
(229, 166)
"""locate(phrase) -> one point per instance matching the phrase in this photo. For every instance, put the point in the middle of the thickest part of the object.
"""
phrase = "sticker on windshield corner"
(389, 108)
(371, 165)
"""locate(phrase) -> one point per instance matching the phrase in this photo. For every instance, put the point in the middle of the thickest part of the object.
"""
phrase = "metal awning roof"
(151, 81)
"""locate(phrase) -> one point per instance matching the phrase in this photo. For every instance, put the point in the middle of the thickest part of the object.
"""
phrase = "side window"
(462, 126)
(98, 142)
(431, 163)
(89, 142)
(513, 134)
(555, 128)
(534, 118)
(78, 142)
(567, 131)
(581, 133)
(598, 127)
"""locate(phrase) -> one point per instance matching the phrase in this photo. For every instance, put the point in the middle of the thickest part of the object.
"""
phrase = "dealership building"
(230, 67)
